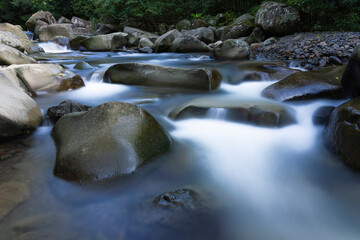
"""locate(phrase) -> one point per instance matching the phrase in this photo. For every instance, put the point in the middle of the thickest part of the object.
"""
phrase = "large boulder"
(258, 113)
(110, 140)
(41, 15)
(342, 133)
(204, 34)
(39, 24)
(236, 31)
(277, 18)
(56, 112)
(42, 77)
(188, 44)
(164, 42)
(28, 45)
(158, 76)
(351, 77)
(11, 40)
(232, 49)
(105, 42)
(48, 32)
(19, 113)
(136, 34)
(9, 55)
(323, 83)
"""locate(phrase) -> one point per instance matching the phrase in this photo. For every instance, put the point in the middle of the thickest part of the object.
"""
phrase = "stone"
(188, 44)
(48, 32)
(185, 199)
(236, 31)
(232, 49)
(63, 19)
(56, 112)
(80, 23)
(204, 34)
(322, 115)
(277, 18)
(83, 66)
(60, 40)
(247, 19)
(164, 42)
(102, 28)
(111, 140)
(11, 40)
(183, 25)
(136, 34)
(350, 80)
(9, 55)
(41, 15)
(12, 194)
(323, 83)
(105, 42)
(76, 42)
(269, 41)
(163, 28)
(204, 79)
(145, 42)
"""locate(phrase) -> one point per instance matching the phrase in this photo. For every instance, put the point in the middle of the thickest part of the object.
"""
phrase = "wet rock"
(41, 15)
(136, 34)
(9, 55)
(277, 18)
(164, 42)
(83, 66)
(42, 77)
(56, 112)
(145, 42)
(323, 83)
(75, 43)
(342, 133)
(258, 35)
(112, 139)
(105, 42)
(232, 49)
(351, 77)
(185, 199)
(12, 194)
(322, 115)
(204, 34)
(158, 76)
(62, 41)
(188, 44)
(146, 50)
(11, 40)
(48, 32)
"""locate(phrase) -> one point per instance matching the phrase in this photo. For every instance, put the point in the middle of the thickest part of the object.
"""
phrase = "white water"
(51, 47)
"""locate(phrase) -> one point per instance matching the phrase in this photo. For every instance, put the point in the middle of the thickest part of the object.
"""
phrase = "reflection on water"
(268, 183)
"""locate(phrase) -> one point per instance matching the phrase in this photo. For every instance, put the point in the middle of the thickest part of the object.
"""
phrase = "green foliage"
(197, 15)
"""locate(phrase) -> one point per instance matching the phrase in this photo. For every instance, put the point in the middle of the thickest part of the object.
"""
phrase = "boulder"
(102, 28)
(158, 76)
(75, 43)
(188, 44)
(136, 34)
(183, 25)
(198, 23)
(204, 34)
(163, 28)
(247, 19)
(56, 112)
(257, 35)
(351, 77)
(269, 41)
(164, 42)
(41, 15)
(80, 23)
(258, 113)
(11, 40)
(184, 199)
(145, 42)
(83, 66)
(42, 77)
(323, 83)
(218, 33)
(277, 18)
(19, 113)
(232, 49)
(39, 25)
(48, 32)
(12, 194)
(63, 19)
(28, 45)
(236, 31)
(342, 133)
(9, 55)
(105, 42)
(111, 140)
(322, 115)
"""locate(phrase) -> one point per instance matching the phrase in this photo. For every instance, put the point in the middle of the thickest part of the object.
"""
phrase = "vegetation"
(316, 14)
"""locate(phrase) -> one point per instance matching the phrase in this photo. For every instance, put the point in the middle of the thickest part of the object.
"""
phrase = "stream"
(267, 183)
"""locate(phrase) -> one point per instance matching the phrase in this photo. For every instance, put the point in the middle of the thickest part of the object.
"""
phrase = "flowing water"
(267, 183)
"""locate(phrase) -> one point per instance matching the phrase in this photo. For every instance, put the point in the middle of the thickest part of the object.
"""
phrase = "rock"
(164, 42)
(163, 28)
(258, 35)
(198, 23)
(335, 60)
(158, 76)
(351, 77)
(12, 194)
(43, 77)
(11, 40)
(188, 44)
(41, 15)
(246, 19)
(19, 114)
(105, 42)
(277, 18)
(232, 49)
(184, 199)
(257, 113)
(236, 31)
(322, 115)
(136, 34)
(342, 134)
(28, 45)
(56, 112)
(323, 83)
(112, 139)
(9, 55)
(102, 28)
(204, 34)
(218, 33)
(220, 18)
(60, 40)
(183, 25)
(83, 66)
(269, 41)
(48, 32)
(76, 42)
(80, 23)
(145, 42)
(63, 19)
(39, 24)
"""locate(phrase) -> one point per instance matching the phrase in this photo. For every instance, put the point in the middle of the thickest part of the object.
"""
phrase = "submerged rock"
(56, 112)
(9, 55)
(188, 44)
(323, 83)
(232, 49)
(342, 133)
(158, 76)
(351, 77)
(110, 140)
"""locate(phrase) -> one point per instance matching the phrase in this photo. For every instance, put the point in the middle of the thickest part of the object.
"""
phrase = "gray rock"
(269, 41)
(145, 42)
(111, 140)
(204, 34)
(232, 49)
(63, 19)
(12, 194)
(9, 55)
(164, 42)
(159, 76)
(41, 15)
(56, 112)
(136, 34)
(322, 115)
(236, 31)
(83, 66)
(188, 44)
(102, 28)
(247, 19)
(48, 32)
(183, 25)
(105, 42)
(11, 40)
(163, 28)
(80, 23)
(351, 77)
